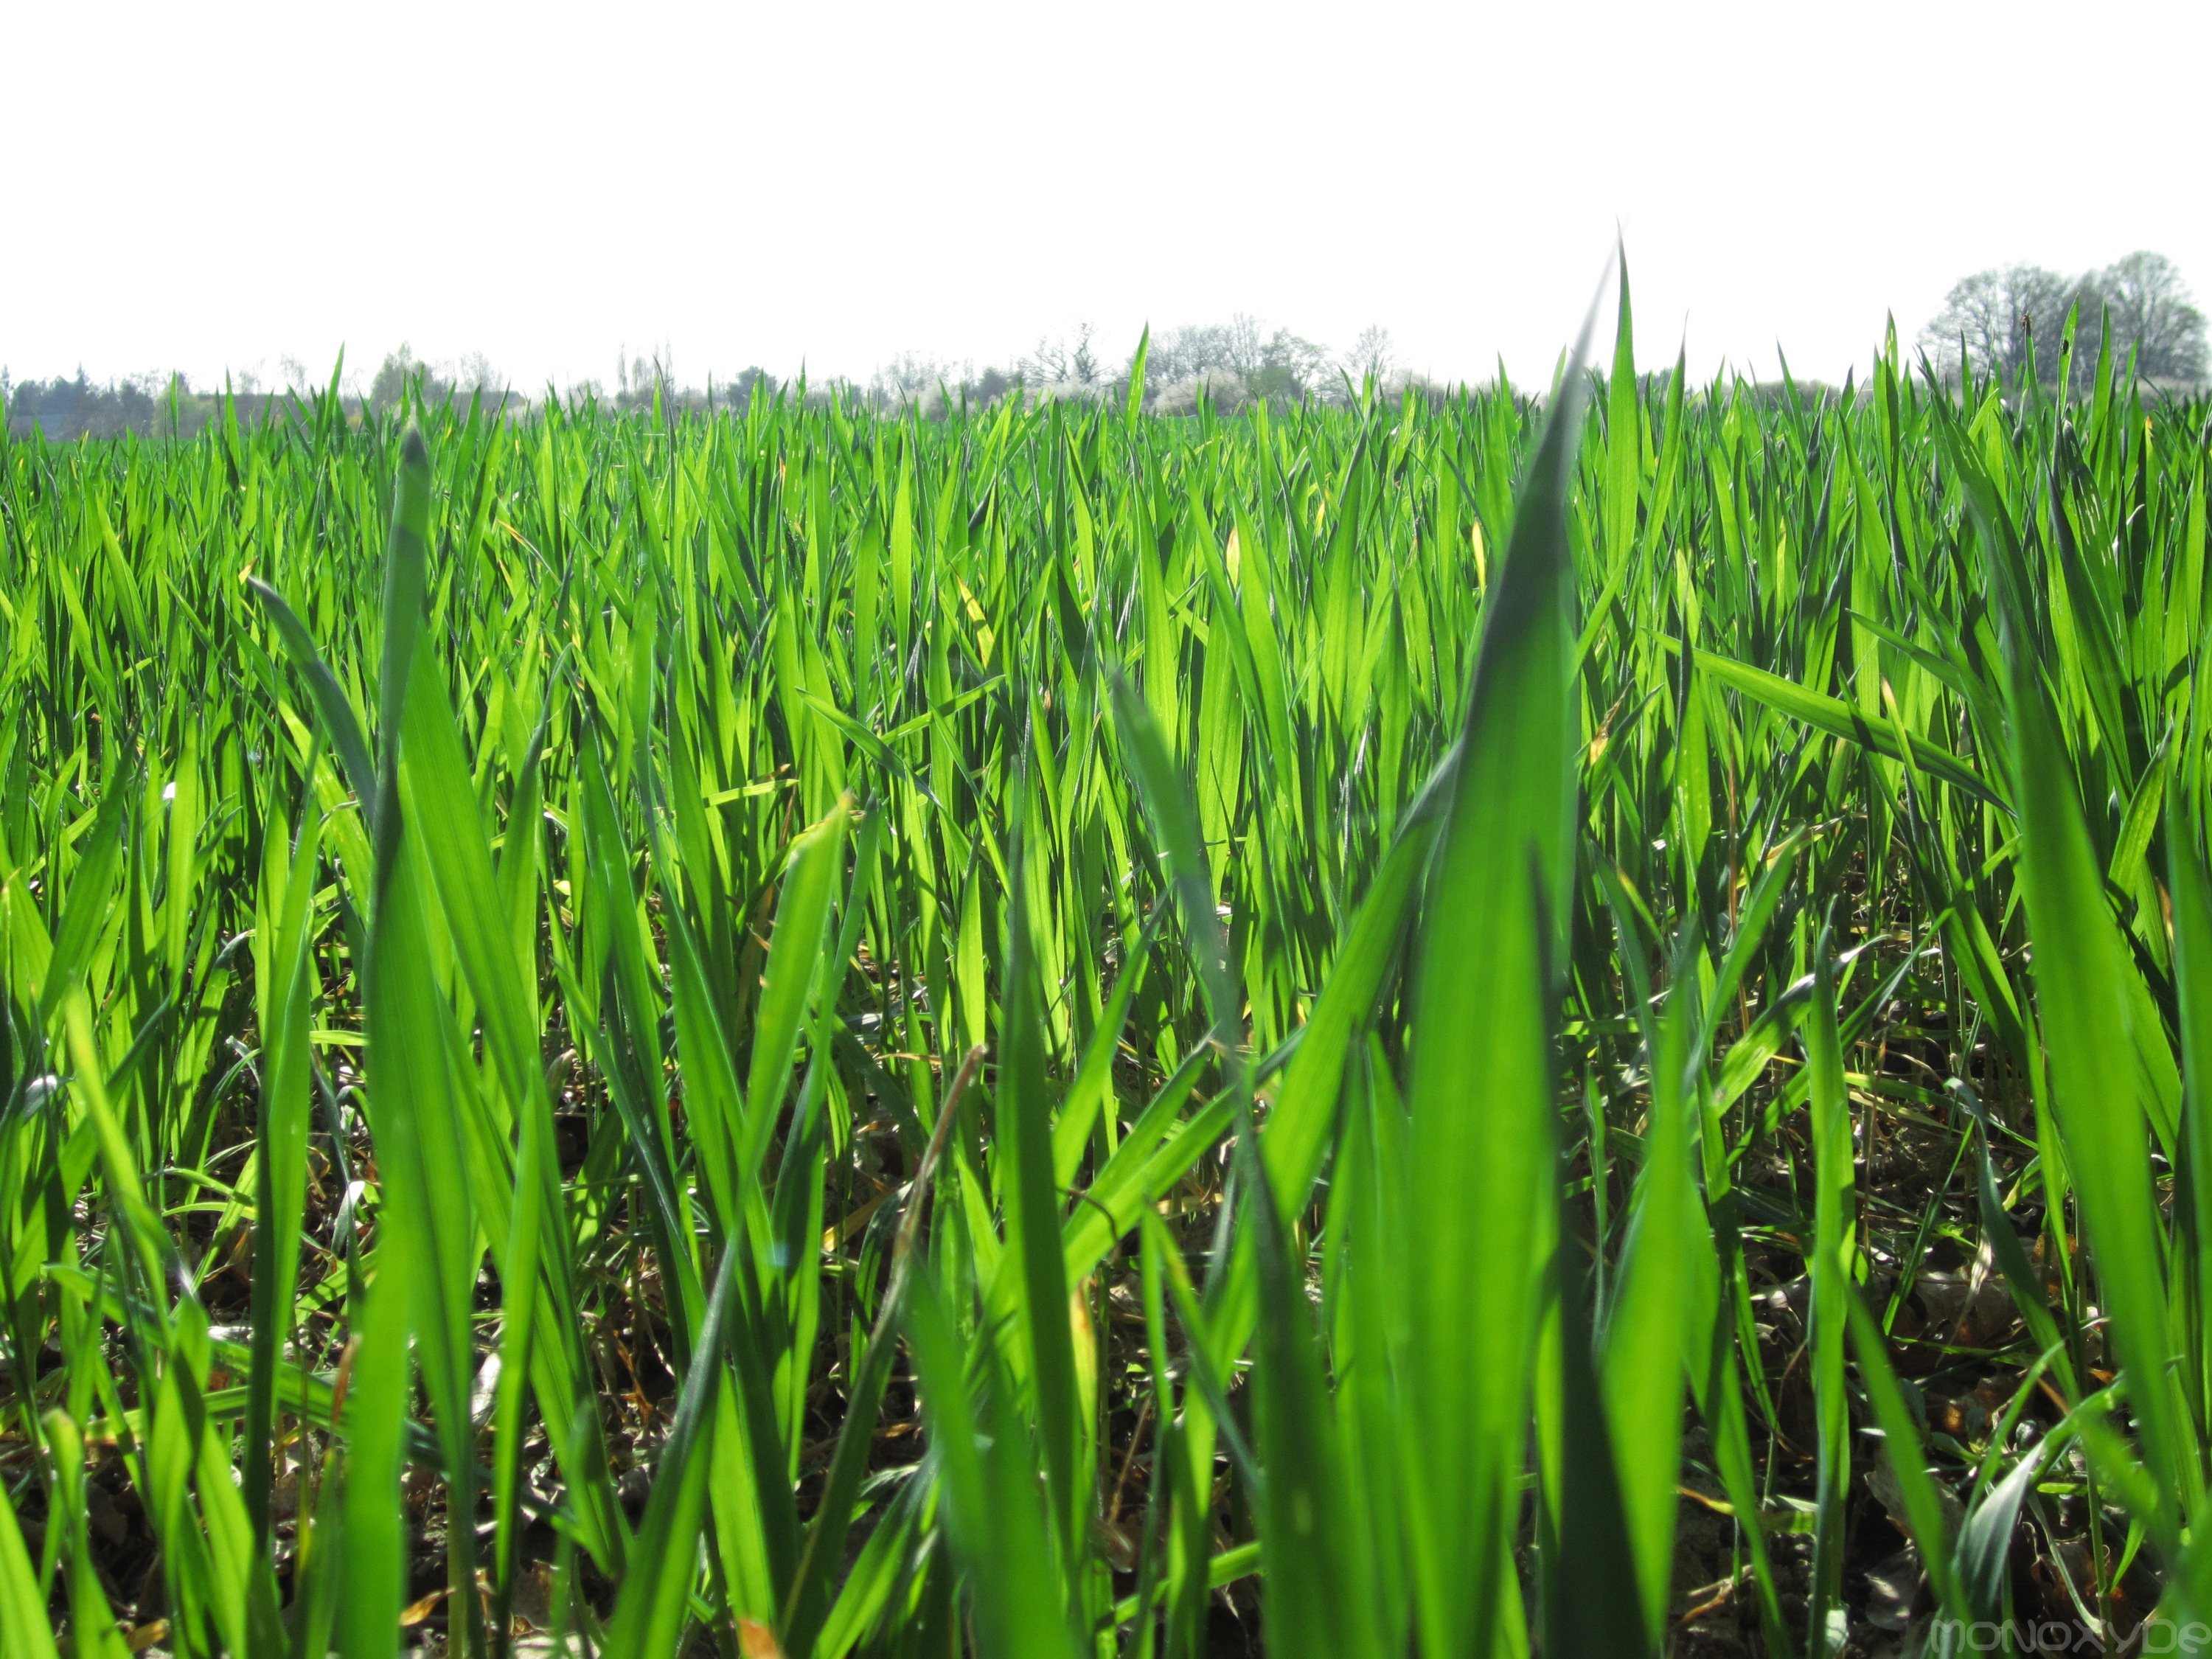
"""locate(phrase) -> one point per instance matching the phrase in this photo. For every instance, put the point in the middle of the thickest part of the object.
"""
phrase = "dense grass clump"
(1574, 1022)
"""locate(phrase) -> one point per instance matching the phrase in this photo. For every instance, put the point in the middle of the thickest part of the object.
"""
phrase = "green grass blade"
(281, 1166)
(1483, 1152)
(796, 952)
(1923, 1506)
(406, 560)
(24, 1630)
(1174, 823)
(1317, 1599)
(339, 722)
(1592, 1600)
(1838, 719)
(1642, 1359)
(651, 1614)
(2080, 970)
(1033, 1227)
(1830, 1266)
(991, 1506)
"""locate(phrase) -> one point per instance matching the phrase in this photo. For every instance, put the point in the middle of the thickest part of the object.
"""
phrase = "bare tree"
(475, 372)
(2152, 310)
(1190, 353)
(1048, 362)
(910, 375)
(1996, 319)
(1243, 359)
(1370, 356)
(1245, 349)
(1058, 362)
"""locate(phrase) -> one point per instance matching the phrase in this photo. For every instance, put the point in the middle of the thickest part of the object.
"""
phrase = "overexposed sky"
(224, 185)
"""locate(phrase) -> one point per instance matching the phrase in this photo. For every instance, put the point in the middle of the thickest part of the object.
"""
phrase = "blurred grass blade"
(1592, 1600)
(24, 1630)
(1482, 1095)
(2189, 894)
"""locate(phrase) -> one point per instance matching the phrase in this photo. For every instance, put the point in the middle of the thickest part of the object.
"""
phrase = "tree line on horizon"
(1230, 364)
(2005, 321)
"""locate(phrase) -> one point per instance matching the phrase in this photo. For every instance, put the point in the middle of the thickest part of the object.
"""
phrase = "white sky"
(214, 185)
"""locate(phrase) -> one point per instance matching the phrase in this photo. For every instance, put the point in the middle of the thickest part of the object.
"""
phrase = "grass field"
(1570, 1023)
